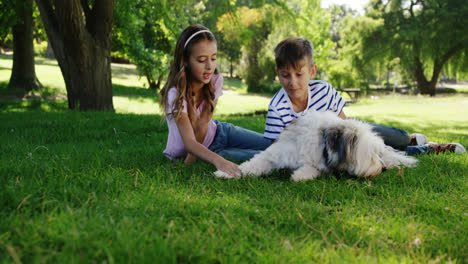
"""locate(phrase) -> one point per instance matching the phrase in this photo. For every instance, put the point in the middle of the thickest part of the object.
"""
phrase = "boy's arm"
(336, 102)
(274, 124)
(342, 115)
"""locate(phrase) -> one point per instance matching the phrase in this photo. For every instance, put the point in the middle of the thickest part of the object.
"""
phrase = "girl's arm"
(200, 130)
(197, 149)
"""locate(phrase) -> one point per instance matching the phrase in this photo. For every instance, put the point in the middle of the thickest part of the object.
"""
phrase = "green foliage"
(146, 32)
(341, 74)
(424, 35)
(256, 25)
(7, 19)
(360, 50)
(263, 28)
(233, 36)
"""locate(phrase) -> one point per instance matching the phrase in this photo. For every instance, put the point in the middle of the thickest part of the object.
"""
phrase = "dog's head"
(354, 149)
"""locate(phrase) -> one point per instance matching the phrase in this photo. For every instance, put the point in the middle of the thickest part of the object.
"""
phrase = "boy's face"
(296, 80)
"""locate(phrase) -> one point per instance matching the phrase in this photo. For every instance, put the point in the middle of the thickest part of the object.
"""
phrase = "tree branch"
(48, 15)
(86, 9)
(103, 11)
(439, 62)
(89, 16)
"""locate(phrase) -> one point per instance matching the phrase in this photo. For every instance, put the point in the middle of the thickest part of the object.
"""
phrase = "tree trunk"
(82, 47)
(23, 75)
(429, 87)
(424, 86)
(49, 51)
(160, 78)
(153, 84)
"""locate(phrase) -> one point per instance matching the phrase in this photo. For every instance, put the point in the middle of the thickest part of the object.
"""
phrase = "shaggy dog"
(322, 143)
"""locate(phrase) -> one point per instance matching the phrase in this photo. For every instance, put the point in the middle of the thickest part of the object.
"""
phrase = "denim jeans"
(237, 143)
(398, 139)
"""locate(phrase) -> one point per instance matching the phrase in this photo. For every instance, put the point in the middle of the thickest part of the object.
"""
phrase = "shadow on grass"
(133, 91)
(6, 56)
(38, 60)
(10, 94)
(13, 100)
(124, 70)
(38, 105)
(230, 84)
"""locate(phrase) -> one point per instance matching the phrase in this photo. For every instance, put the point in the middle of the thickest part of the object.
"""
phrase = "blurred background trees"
(18, 16)
(412, 43)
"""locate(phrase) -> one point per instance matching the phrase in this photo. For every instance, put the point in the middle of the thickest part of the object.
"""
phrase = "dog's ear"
(338, 143)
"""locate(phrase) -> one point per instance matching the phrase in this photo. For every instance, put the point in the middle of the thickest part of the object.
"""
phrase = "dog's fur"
(322, 143)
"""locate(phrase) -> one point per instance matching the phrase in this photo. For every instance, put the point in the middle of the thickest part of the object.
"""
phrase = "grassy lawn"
(95, 187)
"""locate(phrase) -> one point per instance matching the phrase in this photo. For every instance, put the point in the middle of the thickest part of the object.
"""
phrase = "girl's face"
(202, 62)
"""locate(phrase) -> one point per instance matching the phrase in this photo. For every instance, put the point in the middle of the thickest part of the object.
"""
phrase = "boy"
(300, 93)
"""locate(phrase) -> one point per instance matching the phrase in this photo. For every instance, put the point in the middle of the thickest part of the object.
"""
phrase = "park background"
(81, 167)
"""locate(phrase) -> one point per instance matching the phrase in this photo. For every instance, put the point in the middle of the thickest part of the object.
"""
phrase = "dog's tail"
(392, 158)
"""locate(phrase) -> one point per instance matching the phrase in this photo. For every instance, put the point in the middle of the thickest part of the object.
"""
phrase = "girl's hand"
(190, 159)
(228, 167)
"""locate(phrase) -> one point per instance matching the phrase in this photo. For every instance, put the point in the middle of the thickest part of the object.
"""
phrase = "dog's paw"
(299, 178)
(305, 173)
(222, 174)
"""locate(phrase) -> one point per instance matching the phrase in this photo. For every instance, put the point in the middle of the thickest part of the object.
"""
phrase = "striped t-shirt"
(322, 97)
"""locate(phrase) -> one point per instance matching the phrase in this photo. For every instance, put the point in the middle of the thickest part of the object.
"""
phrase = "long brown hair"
(180, 77)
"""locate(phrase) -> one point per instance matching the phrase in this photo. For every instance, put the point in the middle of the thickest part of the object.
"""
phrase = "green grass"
(95, 187)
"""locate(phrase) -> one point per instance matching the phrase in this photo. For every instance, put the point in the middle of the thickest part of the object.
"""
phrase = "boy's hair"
(179, 74)
(291, 50)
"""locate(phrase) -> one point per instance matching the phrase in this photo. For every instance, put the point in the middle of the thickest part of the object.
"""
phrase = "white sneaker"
(451, 147)
(417, 139)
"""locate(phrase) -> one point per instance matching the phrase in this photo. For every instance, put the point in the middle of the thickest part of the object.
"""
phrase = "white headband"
(194, 34)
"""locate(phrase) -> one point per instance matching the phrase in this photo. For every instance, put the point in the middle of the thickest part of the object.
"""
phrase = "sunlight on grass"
(230, 103)
(95, 187)
(437, 117)
(50, 75)
(234, 85)
(127, 75)
(135, 105)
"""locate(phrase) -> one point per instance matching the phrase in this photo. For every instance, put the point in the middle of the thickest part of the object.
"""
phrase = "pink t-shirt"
(175, 146)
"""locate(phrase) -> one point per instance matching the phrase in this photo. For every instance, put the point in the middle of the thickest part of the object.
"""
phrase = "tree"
(424, 34)
(23, 74)
(233, 31)
(362, 63)
(255, 25)
(7, 19)
(338, 14)
(80, 34)
(146, 32)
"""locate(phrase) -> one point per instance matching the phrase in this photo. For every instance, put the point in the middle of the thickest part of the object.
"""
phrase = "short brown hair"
(291, 50)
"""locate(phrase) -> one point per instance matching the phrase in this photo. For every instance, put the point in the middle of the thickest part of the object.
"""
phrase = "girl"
(188, 100)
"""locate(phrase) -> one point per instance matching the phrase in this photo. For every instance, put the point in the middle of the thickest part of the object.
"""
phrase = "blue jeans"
(398, 139)
(237, 143)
